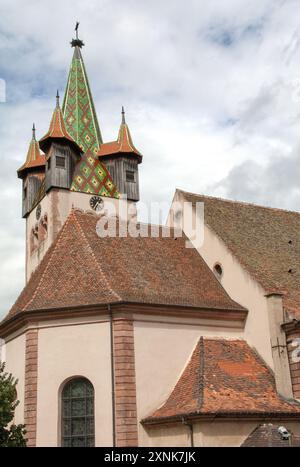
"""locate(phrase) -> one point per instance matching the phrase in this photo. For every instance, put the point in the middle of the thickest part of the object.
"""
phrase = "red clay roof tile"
(268, 435)
(266, 241)
(57, 129)
(123, 144)
(224, 377)
(80, 268)
(35, 159)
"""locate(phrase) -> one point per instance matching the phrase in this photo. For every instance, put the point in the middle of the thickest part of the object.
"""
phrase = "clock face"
(38, 211)
(96, 203)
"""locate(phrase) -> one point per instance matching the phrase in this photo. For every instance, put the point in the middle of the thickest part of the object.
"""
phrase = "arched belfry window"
(78, 414)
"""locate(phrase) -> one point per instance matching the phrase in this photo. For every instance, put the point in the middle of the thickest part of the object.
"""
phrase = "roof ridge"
(95, 259)
(244, 203)
(51, 253)
(227, 339)
(128, 137)
(201, 373)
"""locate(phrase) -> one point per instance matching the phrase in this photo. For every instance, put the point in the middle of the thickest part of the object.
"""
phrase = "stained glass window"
(78, 414)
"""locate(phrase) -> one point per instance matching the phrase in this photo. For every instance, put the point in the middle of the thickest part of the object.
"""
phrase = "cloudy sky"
(211, 90)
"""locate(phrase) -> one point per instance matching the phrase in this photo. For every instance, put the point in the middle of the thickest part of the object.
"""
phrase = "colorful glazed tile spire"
(34, 157)
(124, 143)
(78, 106)
(80, 117)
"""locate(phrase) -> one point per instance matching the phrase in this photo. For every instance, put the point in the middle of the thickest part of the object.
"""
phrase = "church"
(147, 340)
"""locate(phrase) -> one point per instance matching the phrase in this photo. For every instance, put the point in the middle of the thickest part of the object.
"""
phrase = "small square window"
(130, 176)
(60, 162)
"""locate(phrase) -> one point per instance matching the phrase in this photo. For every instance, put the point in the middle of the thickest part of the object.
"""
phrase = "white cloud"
(211, 91)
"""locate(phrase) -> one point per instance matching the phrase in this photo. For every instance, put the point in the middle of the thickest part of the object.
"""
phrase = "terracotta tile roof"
(34, 159)
(123, 144)
(98, 270)
(267, 435)
(57, 129)
(266, 241)
(224, 378)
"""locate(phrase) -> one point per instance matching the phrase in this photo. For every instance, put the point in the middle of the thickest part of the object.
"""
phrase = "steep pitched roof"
(268, 435)
(78, 107)
(99, 270)
(224, 378)
(57, 130)
(34, 159)
(80, 117)
(124, 143)
(266, 241)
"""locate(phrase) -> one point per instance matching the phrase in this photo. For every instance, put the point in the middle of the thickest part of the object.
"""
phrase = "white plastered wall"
(65, 352)
(162, 351)
(240, 286)
(15, 364)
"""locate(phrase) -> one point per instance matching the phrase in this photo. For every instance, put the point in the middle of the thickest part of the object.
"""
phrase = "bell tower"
(70, 167)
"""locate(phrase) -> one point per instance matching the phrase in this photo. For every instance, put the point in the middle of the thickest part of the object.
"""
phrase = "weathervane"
(33, 132)
(77, 42)
(57, 99)
(76, 29)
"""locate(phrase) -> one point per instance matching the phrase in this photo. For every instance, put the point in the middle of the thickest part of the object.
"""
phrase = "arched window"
(78, 414)
(218, 270)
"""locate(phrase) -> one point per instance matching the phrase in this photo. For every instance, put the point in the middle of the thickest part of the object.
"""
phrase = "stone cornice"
(29, 317)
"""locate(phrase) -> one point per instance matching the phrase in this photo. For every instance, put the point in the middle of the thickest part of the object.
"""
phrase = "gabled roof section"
(78, 106)
(99, 270)
(224, 378)
(268, 435)
(57, 130)
(35, 159)
(266, 241)
(124, 143)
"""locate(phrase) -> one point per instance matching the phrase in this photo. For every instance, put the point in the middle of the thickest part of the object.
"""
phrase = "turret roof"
(124, 143)
(57, 129)
(34, 159)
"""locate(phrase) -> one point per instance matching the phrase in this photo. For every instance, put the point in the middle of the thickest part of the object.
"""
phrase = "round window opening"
(218, 270)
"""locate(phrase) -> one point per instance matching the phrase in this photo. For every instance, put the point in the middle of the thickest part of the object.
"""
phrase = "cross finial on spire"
(123, 115)
(57, 99)
(77, 42)
(76, 29)
(33, 132)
